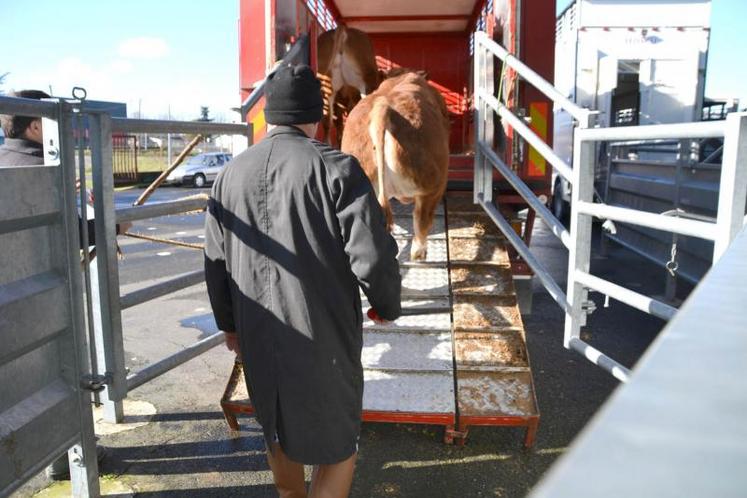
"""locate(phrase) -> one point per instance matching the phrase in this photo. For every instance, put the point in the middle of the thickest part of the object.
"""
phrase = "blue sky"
(182, 55)
(152, 53)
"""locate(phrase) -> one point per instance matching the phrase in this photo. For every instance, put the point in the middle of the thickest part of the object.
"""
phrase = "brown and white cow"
(347, 67)
(400, 135)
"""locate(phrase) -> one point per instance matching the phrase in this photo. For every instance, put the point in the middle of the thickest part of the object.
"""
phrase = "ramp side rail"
(576, 303)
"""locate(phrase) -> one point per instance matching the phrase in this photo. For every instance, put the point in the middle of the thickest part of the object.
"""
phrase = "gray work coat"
(293, 230)
(21, 152)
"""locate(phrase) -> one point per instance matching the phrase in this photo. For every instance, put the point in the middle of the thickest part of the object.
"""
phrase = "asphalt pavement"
(186, 450)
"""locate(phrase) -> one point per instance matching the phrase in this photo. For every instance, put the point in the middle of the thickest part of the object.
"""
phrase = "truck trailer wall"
(608, 48)
(669, 64)
(445, 57)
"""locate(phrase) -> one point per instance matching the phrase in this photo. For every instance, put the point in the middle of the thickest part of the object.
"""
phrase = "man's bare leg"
(288, 475)
(333, 481)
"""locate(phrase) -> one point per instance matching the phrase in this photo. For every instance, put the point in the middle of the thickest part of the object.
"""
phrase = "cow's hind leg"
(422, 218)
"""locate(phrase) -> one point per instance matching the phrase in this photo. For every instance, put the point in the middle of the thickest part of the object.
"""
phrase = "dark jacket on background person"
(21, 152)
(293, 231)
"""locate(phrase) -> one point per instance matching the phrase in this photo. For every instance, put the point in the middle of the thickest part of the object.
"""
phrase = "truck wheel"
(199, 180)
(560, 208)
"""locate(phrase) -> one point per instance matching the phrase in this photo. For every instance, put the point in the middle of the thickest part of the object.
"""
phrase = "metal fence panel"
(40, 366)
(124, 158)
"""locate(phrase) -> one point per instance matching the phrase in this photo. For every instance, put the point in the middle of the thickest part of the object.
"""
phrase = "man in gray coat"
(23, 135)
(293, 231)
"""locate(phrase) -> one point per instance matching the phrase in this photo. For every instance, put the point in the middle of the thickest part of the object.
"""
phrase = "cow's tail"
(341, 36)
(379, 121)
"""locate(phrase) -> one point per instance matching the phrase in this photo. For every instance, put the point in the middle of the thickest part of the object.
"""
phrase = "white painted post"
(579, 252)
(733, 188)
(479, 112)
(489, 120)
(107, 313)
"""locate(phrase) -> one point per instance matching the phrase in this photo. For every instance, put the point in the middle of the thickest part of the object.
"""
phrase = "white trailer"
(633, 61)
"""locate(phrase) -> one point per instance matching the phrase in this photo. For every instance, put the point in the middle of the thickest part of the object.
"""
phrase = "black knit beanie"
(293, 96)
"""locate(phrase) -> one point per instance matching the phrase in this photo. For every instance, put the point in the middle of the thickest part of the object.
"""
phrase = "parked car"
(198, 170)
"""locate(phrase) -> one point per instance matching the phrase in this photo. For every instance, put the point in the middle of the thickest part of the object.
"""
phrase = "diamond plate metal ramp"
(493, 376)
(408, 365)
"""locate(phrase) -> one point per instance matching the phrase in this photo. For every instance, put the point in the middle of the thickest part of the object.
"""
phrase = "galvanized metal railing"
(576, 304)
(107, 302)
(643, 442)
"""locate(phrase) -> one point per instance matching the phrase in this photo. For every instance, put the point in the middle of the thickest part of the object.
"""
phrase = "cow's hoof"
(418, 252)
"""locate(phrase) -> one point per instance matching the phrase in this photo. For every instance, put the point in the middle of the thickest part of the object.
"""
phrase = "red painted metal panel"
(445, 57)
(536, 45)
(409, 418)
(251, 44)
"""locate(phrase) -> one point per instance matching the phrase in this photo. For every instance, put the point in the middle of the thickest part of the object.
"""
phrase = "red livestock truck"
(437, 36)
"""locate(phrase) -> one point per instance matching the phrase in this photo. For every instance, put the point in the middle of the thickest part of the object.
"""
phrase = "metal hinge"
(94, 383)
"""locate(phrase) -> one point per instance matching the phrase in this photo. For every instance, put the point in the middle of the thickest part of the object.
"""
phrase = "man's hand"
(371, 313)
(232, 343)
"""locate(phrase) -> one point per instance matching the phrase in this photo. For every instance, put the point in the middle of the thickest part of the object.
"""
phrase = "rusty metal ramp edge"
(494, 384)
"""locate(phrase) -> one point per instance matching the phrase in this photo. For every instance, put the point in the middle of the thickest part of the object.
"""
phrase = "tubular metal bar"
(28, 107)
(160, 209)
(252, 99)
(540, 146)
(600, 359)
(128, 125)
(107, 314)
(170, 362)
(84, 473)
(556, 226)
(627, 296)
(547, 281)
(682, 226)
(151, 292)
(482, 38)
(299, 53)
(711, 129)
(733, 184)
(645, 142)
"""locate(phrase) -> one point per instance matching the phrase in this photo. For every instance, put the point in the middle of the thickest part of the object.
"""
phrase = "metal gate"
(43, 358)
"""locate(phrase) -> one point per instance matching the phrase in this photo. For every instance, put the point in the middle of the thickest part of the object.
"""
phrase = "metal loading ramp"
(463, 361)
(493, 378)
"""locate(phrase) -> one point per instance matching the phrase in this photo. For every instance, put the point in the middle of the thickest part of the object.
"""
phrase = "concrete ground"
(185, 449)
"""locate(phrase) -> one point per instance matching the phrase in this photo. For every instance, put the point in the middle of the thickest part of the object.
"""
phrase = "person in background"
(293, 231)
(23, 135)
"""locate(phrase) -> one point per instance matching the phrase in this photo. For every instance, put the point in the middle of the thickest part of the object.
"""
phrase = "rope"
(136, 235)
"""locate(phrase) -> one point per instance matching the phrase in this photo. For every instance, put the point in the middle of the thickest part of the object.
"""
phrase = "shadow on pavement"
(218, 492)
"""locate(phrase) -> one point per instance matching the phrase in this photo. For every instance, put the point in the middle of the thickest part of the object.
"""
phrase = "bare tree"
(2, 81)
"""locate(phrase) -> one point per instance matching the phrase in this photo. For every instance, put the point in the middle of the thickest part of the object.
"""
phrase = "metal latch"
(94, 383)
(589, 307)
